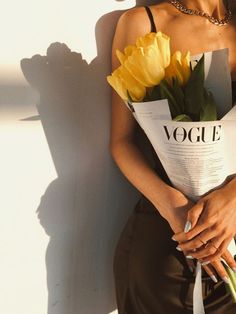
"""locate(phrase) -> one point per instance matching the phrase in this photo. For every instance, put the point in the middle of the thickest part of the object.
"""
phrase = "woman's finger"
(186, 236)
(221, 248)
(210, 271)
(198, 241)
(193, 216)
(221, 271)
(209, 249)
(228, 258)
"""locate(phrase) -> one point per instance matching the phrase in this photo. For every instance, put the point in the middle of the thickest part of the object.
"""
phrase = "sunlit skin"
(218, 208)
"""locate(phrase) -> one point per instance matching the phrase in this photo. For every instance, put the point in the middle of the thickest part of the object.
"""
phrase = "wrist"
(169, 200)
(230, 189)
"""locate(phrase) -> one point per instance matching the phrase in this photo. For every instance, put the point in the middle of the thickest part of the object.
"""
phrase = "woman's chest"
(197, 39)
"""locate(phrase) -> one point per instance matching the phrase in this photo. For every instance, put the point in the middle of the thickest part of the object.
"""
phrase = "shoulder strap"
(149, 13)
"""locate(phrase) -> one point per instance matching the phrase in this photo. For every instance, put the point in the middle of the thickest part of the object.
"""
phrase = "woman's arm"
(171, 203)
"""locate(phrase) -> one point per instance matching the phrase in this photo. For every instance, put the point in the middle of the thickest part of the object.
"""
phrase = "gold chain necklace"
(218, 22)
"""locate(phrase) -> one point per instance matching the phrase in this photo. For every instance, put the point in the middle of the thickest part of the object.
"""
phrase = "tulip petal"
(179, 68)
(163, 43)
(127, 52)
(136, 90)
(122, 81)
(117, 84)
(145, 65)
(121, 57)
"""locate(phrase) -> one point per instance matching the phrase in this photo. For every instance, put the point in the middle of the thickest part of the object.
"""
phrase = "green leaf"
(179, 94)
(208, 111)
(182, 117)
(167, 91)
(154, 93)
(231, 287)
(194, 91)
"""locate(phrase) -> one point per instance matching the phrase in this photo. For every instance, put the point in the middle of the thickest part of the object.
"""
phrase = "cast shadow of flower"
(75, 116)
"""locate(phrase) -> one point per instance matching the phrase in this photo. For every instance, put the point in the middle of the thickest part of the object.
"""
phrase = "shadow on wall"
(54, 76)
(84, 223)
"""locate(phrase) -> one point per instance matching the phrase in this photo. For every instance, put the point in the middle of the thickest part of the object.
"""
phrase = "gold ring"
(203, 242)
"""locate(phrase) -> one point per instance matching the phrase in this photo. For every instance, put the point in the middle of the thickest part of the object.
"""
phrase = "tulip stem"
(231, 287)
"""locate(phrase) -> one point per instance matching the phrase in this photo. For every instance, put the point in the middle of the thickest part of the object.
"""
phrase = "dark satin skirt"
(152, 277)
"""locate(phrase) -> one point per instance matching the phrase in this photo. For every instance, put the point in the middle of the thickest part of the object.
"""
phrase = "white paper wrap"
(197, 156)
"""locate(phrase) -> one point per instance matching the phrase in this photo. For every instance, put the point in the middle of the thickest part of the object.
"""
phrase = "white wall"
(63, 200)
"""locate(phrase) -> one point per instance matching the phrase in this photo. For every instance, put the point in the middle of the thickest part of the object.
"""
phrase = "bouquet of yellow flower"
(148, 77)
(148, 72)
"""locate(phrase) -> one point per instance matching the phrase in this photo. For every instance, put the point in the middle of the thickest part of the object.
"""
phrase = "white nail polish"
(205, 263)
(187, 226)
(173, 238)
(214, 278)
(178, 248)
(226, 279)
(189, 256)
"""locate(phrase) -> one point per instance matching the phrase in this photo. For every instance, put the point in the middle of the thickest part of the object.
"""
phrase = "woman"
(151, 275)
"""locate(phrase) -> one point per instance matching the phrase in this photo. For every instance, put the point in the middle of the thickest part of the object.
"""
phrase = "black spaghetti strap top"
(150, 15)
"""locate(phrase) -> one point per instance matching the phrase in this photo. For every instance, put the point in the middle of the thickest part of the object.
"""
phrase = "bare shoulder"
(164, 14)
(133, 23)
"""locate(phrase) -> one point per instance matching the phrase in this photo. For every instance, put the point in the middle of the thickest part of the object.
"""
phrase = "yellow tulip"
(145, 65)
(186, 67)
(122, 81)
(127, 52)
(115, 81)
(161, 41)
(146, 40)
(179, 68)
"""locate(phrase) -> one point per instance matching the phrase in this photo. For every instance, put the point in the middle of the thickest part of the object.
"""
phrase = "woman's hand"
(178, 212)
(217, 267)
(176, 217)
(212, 219)
(176, 220)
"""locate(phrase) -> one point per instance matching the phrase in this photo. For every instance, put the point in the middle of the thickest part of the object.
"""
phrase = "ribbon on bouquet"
(198, 305)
